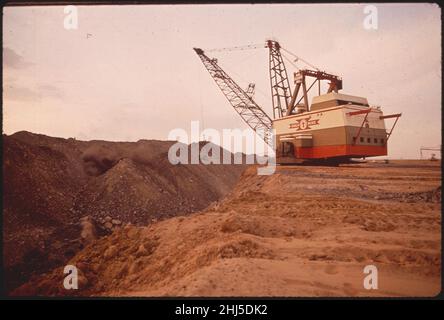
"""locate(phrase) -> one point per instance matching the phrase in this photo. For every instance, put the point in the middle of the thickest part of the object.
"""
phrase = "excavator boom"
(241, 101)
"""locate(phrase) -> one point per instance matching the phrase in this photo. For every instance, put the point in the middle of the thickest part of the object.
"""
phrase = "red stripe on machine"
(339, 151)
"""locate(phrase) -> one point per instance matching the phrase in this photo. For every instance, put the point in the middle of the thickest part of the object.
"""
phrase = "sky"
(129, 72)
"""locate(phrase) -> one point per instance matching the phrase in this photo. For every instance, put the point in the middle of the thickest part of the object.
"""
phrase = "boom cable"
(246, 47)
(299, 58)
(261, 45)
(291, 62)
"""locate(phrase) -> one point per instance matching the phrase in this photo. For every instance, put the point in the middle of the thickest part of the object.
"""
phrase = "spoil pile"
(51, 184)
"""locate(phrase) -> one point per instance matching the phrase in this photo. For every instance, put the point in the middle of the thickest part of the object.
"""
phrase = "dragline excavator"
(335, 126)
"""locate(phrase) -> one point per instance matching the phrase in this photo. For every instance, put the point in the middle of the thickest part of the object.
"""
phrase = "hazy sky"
(129, 72)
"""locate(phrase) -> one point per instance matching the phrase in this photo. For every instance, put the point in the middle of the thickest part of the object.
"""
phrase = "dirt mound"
(140, 256)
(51, 183)
(140, 190)
(288, 234)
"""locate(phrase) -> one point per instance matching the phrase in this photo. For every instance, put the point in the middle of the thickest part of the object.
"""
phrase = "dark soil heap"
(50, 184)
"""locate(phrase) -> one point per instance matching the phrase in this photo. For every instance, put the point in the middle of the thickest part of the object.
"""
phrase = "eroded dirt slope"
(304, 231)
(50, 184)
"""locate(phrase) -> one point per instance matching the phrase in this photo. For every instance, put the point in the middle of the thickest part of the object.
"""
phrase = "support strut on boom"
(280, 85)
(335, 84)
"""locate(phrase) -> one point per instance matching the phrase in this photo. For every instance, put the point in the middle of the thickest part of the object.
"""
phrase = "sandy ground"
(304, 231)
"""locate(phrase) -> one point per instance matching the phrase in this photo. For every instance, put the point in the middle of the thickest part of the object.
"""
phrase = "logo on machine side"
(304, 124)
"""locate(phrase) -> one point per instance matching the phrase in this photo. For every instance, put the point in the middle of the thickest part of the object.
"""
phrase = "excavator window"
(286, 149)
